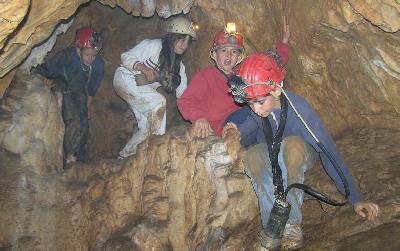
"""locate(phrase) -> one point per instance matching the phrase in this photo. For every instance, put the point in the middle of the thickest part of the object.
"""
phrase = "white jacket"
(146, 52)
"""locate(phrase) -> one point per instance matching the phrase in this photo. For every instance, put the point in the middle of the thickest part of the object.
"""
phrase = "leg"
(70, 114)
(84, 130)
(146, 103)
(260, 172)
(296, 157)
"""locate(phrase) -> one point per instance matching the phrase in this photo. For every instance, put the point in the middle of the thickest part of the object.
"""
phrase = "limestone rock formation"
(31, 126)
(384, 14)
(178, 192)
(11, 16)
(35, 24)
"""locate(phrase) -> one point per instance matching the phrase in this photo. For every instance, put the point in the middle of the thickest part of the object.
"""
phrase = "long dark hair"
(169, 62)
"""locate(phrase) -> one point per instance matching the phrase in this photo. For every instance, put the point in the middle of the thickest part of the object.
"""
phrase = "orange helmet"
(87, 37)
(257, 76)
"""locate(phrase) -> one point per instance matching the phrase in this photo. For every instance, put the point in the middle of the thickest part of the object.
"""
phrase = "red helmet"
(88, 38)
(224, 38)
(260, 74)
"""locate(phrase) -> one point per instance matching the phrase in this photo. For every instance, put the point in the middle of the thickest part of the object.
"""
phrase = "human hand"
(150, 73)
(141, 79)
(366, 209)
(285, 31)
(48, 82)
(201, 128)
(228, 126)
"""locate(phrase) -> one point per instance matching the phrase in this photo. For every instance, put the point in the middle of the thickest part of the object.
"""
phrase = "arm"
(362, 208)
(134, 59)
(191, 104)
(283, 51)
(243, 121)
(95, 81)
(322, 134)
(146, 49)
(53, 67)
(282, 47)
(96, 76)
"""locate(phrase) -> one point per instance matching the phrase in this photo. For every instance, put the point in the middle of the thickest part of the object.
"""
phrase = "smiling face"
(182, 44)
(227, 57)
(262, 106)
(87, 55)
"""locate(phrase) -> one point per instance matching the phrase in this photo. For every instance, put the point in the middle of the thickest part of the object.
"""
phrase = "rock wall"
(178, 192)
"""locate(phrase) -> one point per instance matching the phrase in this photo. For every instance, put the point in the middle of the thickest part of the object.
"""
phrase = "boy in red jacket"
(206, 102)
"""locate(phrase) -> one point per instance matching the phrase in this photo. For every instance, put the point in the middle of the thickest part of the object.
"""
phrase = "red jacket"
(207, 95)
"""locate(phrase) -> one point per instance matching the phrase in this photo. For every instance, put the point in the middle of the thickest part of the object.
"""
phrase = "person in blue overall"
(76, 72)
(258, 83)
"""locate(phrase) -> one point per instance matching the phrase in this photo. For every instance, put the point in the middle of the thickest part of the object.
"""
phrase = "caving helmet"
(259, 75)
(182, 25)
(224, 38)
(228, 38)
(87, 37)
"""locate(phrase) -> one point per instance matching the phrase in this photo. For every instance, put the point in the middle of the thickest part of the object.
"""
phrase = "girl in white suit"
(151, 64)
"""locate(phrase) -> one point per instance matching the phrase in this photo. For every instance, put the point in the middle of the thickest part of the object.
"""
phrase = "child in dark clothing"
(76, 72)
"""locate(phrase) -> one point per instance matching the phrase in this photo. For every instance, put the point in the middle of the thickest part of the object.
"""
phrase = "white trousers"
(146, 103)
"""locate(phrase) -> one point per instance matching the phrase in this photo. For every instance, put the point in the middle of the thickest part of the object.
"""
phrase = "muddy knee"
(157, 115)
(257, 161)
(294, 154)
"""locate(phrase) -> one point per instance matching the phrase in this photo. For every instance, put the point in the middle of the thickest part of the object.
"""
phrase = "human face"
(181, 45)
(262, 106)
(87, 55)
(226, 58)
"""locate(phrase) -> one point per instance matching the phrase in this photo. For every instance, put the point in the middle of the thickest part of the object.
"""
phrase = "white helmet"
(181, 25)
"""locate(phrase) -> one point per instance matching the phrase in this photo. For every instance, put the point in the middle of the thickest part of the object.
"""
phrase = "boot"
(292, 237)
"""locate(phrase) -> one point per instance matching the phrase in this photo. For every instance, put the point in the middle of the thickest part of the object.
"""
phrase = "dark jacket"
(66, 66)
(250, 127)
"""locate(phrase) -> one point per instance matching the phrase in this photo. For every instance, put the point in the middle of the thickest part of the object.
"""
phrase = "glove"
(141, 79)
